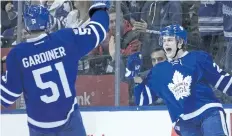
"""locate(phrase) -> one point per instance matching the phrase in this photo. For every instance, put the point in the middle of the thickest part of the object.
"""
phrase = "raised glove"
(133, 66)
(99, 5)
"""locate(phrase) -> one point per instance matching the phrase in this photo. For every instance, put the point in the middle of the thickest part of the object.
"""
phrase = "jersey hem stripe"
(52, 124)
(200, 111)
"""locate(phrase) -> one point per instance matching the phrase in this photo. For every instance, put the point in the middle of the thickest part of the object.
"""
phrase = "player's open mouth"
(168, 50)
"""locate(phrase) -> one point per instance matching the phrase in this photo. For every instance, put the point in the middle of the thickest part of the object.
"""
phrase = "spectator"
(60, 10)
(134, 9)
(130, 42)
(211, 29)
(8, 16)
(8, 24)
(125, 26)
(190, 23)
(82, 7)
(227, 19)
(73, 18)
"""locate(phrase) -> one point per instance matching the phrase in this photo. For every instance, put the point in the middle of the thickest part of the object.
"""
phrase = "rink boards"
(109, 121)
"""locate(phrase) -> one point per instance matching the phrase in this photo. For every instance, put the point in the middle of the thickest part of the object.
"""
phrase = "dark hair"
(124, 10)
(112, 10)
(156, 49)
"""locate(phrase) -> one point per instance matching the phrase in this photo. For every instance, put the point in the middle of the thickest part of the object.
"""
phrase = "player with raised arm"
(183, 82)
(44, 69)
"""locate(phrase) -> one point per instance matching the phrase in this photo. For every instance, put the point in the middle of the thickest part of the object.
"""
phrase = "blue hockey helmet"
(36, 17)
(173, 30)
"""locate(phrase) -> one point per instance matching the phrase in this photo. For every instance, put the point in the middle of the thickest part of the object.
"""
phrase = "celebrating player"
(44, 69)
(183, 82)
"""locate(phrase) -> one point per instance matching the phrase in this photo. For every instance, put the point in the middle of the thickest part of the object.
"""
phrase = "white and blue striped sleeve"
(89, 37)
(11, 84)
(143, 93)
(216, 76)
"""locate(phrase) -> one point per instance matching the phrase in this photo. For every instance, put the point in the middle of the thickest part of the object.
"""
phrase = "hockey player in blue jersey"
(183, 82)
(44, 69)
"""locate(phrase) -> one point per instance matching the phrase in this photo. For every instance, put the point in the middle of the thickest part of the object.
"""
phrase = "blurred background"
(208, 23)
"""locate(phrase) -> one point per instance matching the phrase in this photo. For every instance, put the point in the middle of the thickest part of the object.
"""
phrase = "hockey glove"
(133, 66)
(98, 5)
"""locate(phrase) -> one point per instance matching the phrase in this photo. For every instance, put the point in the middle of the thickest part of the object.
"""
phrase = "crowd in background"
(208, 23)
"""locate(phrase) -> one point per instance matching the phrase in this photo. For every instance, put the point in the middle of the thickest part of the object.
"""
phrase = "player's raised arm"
(216, 76)
(95, 32)
(11, 81)
(99, 20)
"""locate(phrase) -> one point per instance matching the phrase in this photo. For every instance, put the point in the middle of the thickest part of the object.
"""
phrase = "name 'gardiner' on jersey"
(186, 93)
(45, 68)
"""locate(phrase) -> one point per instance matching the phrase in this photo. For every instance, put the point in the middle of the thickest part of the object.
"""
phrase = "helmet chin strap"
(177, 50)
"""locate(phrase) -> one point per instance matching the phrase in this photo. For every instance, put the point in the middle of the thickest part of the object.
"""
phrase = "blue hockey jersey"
(45, 68)
(183, 84)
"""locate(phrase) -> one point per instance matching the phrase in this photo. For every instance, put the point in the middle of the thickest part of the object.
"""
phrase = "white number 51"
(53, 86)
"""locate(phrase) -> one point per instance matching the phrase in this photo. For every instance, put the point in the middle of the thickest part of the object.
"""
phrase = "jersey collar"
(184, 54)
(37, 38)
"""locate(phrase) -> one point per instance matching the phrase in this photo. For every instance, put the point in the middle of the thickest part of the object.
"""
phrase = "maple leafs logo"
(180, 86)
